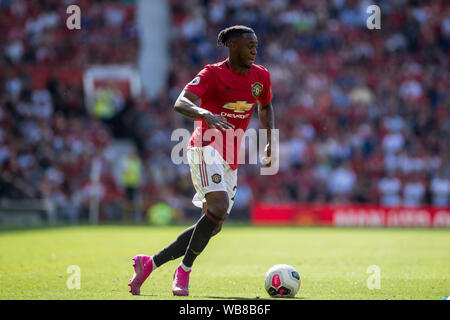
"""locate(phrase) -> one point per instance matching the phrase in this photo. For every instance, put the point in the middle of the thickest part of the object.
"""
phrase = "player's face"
(247, 49)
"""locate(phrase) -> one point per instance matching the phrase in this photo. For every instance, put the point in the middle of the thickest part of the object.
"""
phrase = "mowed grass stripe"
(332, 262)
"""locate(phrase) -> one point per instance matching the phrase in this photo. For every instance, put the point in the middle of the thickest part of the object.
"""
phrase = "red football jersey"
(233, 96)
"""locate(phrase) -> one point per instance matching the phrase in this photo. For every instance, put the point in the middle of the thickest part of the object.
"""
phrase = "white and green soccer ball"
(282, 281)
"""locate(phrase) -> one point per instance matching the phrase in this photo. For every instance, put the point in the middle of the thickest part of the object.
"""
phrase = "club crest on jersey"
(256, 89)
(216, 178)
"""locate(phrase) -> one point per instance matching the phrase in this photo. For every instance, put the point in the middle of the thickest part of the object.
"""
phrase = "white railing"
(26, 211)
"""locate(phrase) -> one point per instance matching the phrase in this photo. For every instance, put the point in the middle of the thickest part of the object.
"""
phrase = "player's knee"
(219, 210)
(218, 204)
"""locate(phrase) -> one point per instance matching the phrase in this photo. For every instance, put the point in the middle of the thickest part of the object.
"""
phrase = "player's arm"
(266, 118)
(186, 106)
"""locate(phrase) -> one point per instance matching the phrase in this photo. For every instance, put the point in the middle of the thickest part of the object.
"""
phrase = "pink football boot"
(180, 285)
(143, 266)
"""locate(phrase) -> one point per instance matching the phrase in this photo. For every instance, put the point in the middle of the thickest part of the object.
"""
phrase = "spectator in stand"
(341, 183)
(440, 189)
(413, 190)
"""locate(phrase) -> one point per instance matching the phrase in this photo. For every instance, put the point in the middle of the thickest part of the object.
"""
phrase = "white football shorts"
(210, 172)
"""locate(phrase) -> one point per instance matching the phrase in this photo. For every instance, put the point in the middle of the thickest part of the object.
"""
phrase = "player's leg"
(199, 174)
(207, 172)
(178, 248)
(216, 212)
(218, 188)
(144, 265)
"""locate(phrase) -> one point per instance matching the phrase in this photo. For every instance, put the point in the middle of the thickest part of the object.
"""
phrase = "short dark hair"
(230, 32)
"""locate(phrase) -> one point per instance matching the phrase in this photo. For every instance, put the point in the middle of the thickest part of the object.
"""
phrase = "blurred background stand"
(130, 174)
(94, 203)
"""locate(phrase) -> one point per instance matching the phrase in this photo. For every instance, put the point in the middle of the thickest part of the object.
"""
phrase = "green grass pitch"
(332, 262)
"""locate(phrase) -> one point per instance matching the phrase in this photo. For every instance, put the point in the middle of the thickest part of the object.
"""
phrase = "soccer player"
(228, 92)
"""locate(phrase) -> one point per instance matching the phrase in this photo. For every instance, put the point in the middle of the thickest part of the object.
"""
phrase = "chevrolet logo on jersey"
(238, 106)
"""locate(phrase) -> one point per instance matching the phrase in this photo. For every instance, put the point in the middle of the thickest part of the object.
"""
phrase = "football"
(282, 281)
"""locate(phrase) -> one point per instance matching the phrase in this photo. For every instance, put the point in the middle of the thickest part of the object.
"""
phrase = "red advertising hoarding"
(349, 215)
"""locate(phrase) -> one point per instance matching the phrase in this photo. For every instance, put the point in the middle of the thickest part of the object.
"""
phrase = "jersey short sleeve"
(266, 95)
(201, 83)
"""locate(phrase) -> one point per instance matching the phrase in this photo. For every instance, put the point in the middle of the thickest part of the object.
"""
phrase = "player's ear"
(231, 44)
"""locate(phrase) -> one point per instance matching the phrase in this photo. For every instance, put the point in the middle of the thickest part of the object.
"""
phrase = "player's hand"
(217, 122)
(267, 158)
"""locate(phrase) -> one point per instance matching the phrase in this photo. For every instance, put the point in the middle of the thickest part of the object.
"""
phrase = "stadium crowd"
(48, 141)
(363, 114)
